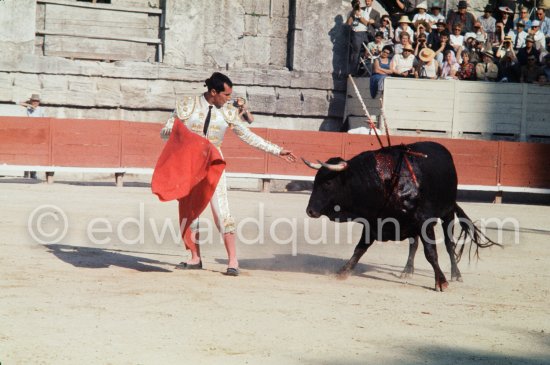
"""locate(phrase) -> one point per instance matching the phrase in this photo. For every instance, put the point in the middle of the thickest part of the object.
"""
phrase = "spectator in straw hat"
(428, 67)
(33, 107)
(506, 48)
(404, 26)
(403, 65)
(487, 70)
(462, 16)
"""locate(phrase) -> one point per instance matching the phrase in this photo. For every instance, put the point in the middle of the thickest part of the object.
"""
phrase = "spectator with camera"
(422, 27)
(404, 64)
(478, 33)
(363, 22)
(506, 49)
(463, 17)
(421, 43)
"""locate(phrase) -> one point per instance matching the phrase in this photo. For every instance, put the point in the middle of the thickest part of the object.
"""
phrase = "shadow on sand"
(321, 265)
(98, 258)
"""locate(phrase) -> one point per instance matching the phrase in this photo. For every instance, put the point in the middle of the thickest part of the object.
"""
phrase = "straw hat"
(422, 5)
(426, 54)
(404, 19)
(488, 53)
(35, 97)
(506, 9)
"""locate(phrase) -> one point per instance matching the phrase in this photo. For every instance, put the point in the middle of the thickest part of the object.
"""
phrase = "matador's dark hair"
(217, 81)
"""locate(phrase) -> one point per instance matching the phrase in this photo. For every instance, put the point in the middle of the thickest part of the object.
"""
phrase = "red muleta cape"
(188, 170)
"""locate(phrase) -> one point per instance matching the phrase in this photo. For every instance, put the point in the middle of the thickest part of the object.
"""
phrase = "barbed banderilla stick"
(385, 120)
(367, 114)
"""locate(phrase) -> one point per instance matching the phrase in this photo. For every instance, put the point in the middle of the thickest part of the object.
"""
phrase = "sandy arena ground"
(111, 295)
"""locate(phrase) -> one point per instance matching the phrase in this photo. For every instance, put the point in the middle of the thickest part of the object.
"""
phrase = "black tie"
(207, 120)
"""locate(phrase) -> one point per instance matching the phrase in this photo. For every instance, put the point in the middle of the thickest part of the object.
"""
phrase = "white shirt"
(401, 64)
(37, 112)
(456, 40)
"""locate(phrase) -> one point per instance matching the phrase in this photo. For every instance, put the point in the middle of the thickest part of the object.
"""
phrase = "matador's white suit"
(192, 111)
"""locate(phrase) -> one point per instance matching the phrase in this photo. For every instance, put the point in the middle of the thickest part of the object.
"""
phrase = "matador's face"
(219, 99)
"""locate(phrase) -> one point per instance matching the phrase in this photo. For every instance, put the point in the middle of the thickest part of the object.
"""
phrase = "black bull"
(397, 192)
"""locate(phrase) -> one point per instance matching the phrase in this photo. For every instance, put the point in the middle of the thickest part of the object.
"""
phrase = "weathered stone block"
(256, 7)
(278, 52)
(311, 80)
(6, 87)
(279, 78)
(279, 27)
(108, 92)
(54, 89)
(279, 8)
(134, 93)
(289, 101)
(264, 26)
(81, 91)
(256, 51)
(315, 103)
(251, 25)
(261, 99)
(24, 85)
(160, 94)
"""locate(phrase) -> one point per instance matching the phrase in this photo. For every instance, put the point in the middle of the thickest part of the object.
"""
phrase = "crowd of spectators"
(505, 45)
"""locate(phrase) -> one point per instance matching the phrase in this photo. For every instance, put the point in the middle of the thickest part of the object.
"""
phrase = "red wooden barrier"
(102, 143)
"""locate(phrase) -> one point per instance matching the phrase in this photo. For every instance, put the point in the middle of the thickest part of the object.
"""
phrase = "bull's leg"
(428, 240)
(408, 271)
(359, 251)
(450, 245)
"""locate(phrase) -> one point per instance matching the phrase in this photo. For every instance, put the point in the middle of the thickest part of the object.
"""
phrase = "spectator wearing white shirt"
(422, 14)
(538, 36)
(436, 15)
(518, 36)
(403, 65)
(488, 22)
(404, 26)
(456, 39)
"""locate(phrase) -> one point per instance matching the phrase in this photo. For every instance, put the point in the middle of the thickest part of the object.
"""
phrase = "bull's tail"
(469, 230)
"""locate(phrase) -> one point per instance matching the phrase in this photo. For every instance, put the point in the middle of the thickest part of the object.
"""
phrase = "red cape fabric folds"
(188, 169)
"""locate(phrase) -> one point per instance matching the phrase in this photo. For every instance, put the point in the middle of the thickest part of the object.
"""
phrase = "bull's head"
(328, 188)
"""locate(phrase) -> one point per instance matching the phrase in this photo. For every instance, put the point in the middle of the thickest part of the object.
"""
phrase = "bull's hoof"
(441, 287)
(456, 278)
(343, 274)
(407, 273)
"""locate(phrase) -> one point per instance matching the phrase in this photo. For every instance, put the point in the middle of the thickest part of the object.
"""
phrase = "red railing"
(107, 143)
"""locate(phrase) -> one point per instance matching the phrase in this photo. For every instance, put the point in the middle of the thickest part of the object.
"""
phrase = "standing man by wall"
(364, 22)
(33, 110)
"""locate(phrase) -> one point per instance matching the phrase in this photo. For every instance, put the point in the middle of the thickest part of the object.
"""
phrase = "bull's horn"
(341, 166)
(315, 166)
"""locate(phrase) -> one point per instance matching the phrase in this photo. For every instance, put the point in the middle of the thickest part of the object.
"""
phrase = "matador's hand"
(165, 132)
(287, 155)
